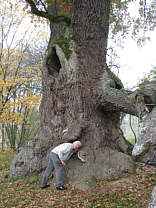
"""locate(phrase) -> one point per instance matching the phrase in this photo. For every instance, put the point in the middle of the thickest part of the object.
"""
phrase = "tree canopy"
(127, 17)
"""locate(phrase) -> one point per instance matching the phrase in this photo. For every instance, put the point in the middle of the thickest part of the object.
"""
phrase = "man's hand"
(63, 163)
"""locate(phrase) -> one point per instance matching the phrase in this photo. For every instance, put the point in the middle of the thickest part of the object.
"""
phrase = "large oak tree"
(80, 94)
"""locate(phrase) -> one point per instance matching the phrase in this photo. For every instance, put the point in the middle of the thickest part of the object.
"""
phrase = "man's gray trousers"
(54, 164)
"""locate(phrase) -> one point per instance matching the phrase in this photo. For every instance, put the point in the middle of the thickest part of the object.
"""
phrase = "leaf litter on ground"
(129, 191)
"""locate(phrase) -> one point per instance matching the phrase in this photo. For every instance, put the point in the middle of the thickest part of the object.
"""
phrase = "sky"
(136, 61)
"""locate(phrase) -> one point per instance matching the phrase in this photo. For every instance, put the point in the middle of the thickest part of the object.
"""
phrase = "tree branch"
(130, 123)
(109, 95)
(112, 99)
(59, 18)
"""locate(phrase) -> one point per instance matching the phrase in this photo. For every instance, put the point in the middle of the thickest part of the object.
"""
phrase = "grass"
(25, 191)
(5, 158)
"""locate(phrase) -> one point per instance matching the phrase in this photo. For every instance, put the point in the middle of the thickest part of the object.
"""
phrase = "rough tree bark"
(80, 94)
(145, 98)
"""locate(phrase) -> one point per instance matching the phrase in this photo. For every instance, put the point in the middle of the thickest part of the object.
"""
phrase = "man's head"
(77, 145)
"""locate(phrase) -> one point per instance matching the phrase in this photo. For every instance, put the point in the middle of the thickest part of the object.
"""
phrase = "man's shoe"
(61, 188)
(44, 186)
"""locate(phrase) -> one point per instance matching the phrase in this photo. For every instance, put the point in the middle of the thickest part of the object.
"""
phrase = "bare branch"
(131, 127)
(59, 18)
(43, 5)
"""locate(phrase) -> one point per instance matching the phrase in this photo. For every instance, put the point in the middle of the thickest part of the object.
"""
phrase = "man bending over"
(57, 161)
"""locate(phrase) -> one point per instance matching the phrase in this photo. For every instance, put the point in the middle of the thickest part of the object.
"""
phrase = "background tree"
(20, 77)
(149, 77)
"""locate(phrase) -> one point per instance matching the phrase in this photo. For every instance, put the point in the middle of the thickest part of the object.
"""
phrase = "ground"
(130, 191)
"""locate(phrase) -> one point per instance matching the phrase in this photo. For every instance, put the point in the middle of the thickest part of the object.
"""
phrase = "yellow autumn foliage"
(20, 76)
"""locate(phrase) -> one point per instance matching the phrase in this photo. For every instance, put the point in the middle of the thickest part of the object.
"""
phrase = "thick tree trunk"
(72, 94)
(80, 95)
